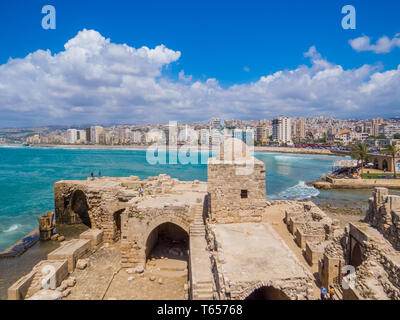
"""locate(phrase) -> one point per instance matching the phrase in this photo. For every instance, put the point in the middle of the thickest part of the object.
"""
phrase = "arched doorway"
(356, 256)
(267, 293)
(167, 240)
(384, 165)
(80, 207)
(398, 166)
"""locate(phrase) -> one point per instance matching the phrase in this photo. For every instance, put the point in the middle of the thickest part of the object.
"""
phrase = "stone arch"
(356, 255)
(80, 208)
(267, 293)
(264, 291)
(173, 230)
(159, 221)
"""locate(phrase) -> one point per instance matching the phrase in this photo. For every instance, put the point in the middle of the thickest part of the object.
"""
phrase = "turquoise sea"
(27, 175)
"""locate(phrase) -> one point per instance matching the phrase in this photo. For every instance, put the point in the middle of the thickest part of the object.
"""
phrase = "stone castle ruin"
(219, 232)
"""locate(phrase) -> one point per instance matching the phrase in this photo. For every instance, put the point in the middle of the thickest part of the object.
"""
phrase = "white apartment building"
(72, 136)
(281, 130)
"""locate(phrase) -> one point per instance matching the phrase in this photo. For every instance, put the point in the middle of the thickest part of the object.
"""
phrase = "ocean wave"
(292, 158)
(11, 229)
(299, 192)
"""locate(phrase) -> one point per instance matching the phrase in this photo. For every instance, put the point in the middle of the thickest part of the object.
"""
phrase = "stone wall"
(384, 214)
(236, 184)
(138, 223)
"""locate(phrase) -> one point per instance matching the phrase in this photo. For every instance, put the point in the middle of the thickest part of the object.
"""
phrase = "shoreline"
(331, 184)
(143, 147)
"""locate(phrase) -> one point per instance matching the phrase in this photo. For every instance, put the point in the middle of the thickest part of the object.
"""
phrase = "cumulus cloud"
(96, 81)
(383, 45)
(184, 77)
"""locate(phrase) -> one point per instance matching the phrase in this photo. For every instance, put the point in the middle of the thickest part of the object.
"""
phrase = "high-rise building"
(95, 133)
(300, 128)
(72, 136)
(282, 130)
(375, 126)
(88, 135)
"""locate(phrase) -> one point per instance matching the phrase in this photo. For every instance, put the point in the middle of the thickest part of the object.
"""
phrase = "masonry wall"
(138, 224)
(227, 189)
(384, 214)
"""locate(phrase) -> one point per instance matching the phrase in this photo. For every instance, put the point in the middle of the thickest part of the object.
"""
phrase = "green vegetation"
(321, 140)
(375, 175)
(396, 136)
(360, 153)
(392, 151)
(377, 137)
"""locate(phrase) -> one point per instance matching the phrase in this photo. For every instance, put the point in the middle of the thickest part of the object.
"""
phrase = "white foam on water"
(299, 192)
(12, 228)
(291, 158)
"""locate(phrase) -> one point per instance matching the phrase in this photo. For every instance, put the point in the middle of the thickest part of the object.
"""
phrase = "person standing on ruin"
(331, 292)
(323, 293)
(140, 191)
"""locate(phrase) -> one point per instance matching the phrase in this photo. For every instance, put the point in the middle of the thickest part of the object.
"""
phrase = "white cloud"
(383, 45)
(96, 81)
(184, 77)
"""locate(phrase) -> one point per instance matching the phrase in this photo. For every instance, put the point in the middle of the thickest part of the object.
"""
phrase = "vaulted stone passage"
(167, 240)
(80, 207)
(356, 258)
(267, 293)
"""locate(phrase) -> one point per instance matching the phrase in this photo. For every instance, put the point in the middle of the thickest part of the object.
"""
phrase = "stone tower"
(236, 184)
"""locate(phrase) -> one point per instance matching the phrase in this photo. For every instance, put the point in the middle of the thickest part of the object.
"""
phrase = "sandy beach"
(142, 147)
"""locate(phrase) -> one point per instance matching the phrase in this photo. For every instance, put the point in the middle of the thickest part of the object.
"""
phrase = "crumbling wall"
(138, 223)
(384, 214)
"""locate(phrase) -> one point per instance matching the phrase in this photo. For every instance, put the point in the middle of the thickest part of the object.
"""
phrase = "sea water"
(27, 176)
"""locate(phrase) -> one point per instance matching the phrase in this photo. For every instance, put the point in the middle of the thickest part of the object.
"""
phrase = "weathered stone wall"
(236, 184)
(97, 205)
(384, 214)
(137, 225)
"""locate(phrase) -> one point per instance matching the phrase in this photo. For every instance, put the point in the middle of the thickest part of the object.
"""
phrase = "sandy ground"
(164, 277)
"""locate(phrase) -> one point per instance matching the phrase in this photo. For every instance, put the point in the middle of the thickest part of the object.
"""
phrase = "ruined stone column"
(46, 226)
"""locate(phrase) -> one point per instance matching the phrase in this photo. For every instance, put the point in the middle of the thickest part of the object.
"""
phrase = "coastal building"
(95, 133)
(282, 130)
(72, 136)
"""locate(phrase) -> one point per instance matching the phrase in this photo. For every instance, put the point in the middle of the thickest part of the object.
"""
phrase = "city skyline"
(87, 71)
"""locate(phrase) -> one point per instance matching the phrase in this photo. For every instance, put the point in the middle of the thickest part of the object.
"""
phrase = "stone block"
(94, 235)
(71, 251)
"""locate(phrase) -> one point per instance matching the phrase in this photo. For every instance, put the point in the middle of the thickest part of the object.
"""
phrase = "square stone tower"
(236, 184)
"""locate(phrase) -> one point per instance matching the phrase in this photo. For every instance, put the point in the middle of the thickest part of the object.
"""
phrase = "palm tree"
(360, 153)
(392, 151)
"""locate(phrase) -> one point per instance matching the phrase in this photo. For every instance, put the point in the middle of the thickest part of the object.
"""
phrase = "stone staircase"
(203, 290)
(202, 282)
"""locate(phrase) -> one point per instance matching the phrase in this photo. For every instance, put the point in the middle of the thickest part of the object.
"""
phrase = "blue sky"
(234, 42)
